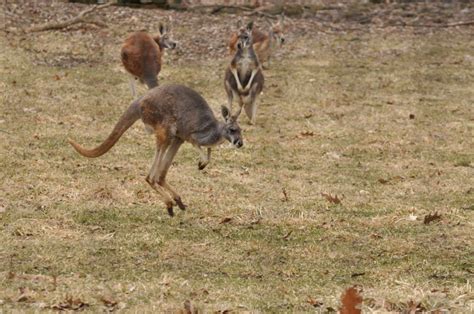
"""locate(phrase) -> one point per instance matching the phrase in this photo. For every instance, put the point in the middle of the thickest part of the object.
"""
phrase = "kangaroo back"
(141, 57)
(127, 119)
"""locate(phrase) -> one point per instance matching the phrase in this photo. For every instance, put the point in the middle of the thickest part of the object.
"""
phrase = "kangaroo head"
(245, 37)
(276, 30)
(231, 131)
(164, 39)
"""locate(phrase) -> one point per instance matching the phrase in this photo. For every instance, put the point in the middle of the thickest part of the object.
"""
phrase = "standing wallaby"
(175, 114)
(141, 56)
(244, 78)
(264, 43)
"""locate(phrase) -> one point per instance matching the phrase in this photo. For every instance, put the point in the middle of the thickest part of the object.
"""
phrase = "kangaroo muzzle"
(238, 143)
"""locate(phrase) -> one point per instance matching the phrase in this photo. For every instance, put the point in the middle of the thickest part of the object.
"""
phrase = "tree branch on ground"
(433, 25)
(80, 18)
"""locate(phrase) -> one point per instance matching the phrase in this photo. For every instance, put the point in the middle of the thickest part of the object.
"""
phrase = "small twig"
(78, 19)
(285, 195)
(5, 131)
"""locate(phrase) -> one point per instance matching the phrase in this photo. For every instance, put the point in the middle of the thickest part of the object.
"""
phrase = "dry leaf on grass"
(357, 274)
(314, 302)
(70, 304)
(351, 301)
(108, 301)
(25, 295)
(332, 199)
(226, 220)
(414, 307)
(286, 236)
(189, 308)
(307, 133)
(431, 217)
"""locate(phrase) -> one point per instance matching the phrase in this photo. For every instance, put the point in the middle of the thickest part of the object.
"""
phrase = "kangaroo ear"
(161, 28)
(281, 18)
(225, 112)
(250, 26)
(267, 20)
(169, 24)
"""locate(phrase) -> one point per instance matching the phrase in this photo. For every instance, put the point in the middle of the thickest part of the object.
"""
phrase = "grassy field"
(383, 121)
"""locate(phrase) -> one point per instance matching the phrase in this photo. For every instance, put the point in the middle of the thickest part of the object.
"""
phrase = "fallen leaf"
(357, 274)
(286, 236)
(285, 195)
(25, 295)
(431, 217)
(226, 220)
(413, 307)
(314, 302)
(190, 309)
(70, 304)
(108, 301)
(57, 77)
(411, 116)
(332, 199)
(307, 133)
(383, 181)
(351, 301)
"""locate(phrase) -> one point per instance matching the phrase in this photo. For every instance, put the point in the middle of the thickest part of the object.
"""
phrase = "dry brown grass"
(334, 118)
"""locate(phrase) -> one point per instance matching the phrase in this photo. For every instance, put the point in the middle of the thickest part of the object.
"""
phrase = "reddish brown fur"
(141, 57)
(261, 42)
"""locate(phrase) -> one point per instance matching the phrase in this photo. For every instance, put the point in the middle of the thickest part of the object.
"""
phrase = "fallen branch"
(219, 7)
(432, 25)
(261, 13)
(80, 18)
(458, 24)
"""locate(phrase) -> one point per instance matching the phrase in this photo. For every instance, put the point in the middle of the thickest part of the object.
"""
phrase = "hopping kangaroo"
(175, 114)
(244, 78)
(141, 56)
(264, 43)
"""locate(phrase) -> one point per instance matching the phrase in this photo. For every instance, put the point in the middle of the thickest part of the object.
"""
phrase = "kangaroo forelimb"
(236, 76)
(249, 84)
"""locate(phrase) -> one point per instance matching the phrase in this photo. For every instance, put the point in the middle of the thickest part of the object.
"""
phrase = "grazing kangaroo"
(141, 56)
(264, 43)
(175, 114)
(244, 78)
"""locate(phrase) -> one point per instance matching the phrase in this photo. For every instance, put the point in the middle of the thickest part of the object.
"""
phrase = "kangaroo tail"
(127, 119)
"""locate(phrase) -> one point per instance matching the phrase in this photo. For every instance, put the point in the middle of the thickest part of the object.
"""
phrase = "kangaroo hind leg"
(152, 180)
(251, 105)
(162, 171)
